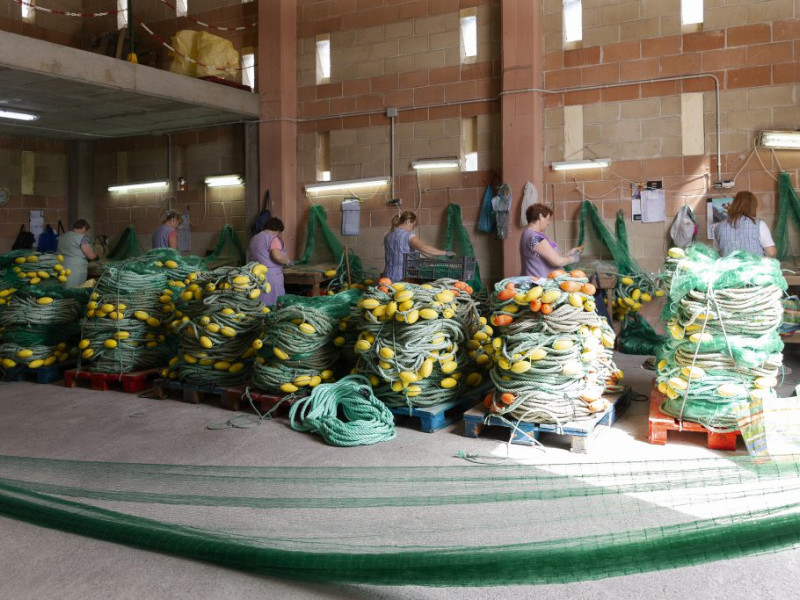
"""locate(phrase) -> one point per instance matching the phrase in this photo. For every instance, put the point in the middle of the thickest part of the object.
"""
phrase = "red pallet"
(234, 399)
(660, 424)
(130, 383)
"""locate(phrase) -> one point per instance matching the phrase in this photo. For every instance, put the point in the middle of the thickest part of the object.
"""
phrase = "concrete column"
(277, 84)
(80, 182)
(252, 196)
(522, 113)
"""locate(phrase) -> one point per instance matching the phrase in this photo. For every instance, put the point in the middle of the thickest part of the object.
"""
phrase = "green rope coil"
(364, 419)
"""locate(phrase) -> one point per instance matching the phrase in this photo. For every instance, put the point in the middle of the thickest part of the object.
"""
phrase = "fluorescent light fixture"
(19, 116)
(429, 164)
(223, 180)
(788, 140)
(134, 187)
(346, 184)
(589, 163)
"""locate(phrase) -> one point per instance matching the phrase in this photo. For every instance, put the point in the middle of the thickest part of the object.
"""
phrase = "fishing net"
(455, 233)
(128, 246)
(724, 349)
(788, 210)
(406, 525)
(412, 341)
(227, 251)
(302, 342)
(552, 353)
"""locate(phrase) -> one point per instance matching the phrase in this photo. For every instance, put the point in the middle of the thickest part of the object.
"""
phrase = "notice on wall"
(37, 223)
(653, 206)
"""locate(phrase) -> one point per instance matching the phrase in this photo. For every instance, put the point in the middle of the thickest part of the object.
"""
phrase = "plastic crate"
(430, 268)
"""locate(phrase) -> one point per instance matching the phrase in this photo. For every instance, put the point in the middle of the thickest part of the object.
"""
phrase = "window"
(469, 137)
(324, 156)
(469, 35)
(324, 58)
(691, 12)
(573, 21)
(181, 8)
(28, 10)
(122, 15)
(249, 68)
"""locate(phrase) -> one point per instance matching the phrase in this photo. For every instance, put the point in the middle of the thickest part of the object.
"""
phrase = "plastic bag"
(487, 223)
(184, 58)
(216, 57)
(684, 229)
(501, 206)
(529, 196)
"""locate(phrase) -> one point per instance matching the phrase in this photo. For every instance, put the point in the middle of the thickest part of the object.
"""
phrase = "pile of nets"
(40, 325)
(127, 247)
(302, 342)
(723, 318)
(412, 341)
(218, 317)
(228, 251)
(123, 330)
(552, 353)
(32, 268)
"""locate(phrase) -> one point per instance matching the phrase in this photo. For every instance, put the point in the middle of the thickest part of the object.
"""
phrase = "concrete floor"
(55, 422)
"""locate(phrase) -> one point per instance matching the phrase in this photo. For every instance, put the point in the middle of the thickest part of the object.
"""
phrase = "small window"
(122, 14)
(324, 58)
(469, 35)
(249, 68)
(181, 8)
(324, 156)
(691, 12)
(469, 136)
(28, 10)
(573, 21)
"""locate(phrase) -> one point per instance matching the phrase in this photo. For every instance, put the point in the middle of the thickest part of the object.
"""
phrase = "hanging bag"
(684, 229)
(487, 223)
(25, 240)
(530, 196)
(48, 240)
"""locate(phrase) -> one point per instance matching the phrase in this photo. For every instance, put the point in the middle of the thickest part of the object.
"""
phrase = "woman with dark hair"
(77, 251)
(742, 230)
(268, 249)
(538, 252)
(400, 241)
(166, 236)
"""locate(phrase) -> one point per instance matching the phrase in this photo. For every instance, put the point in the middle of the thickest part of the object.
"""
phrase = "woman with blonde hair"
(742, 230)
(400, 241)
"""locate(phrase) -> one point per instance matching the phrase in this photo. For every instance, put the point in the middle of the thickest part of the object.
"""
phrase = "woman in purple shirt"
(539, 253)
(400, 241)
(267, 248)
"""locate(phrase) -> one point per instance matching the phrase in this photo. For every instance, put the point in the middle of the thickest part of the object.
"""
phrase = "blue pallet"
(439, 416)
(581, 432)
(49, 374)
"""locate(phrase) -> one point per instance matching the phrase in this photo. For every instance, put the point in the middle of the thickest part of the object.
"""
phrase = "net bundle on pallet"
(218, 316)
(412, 341)
(124, 327)
(302, 342)
(552, 355)
(40, 325)
(723, 349)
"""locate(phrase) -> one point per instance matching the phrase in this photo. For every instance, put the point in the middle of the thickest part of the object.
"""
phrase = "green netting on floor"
(459, 525)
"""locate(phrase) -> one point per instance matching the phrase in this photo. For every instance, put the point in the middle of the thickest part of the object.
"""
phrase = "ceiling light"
(429, 164)
(346, 184)
(590, 163)
(144, 185)
(223, 180)
(19, 116)
(788, 140)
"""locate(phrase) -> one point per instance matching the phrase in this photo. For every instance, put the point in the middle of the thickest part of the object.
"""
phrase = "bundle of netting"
(302, 342)
(218, 317)
(127, 246)
(41, 325)
(123, 327)
(32, 268)
(344, 413)
(411, 344)
(349, 274)
(349, 330)
(228, 251)
(723, 347)
(552, 355)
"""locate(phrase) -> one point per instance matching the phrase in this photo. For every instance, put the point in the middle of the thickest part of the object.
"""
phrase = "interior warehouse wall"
(750, 46)
(58, 29)
(49, 185)
(194, 155)
(405, 56)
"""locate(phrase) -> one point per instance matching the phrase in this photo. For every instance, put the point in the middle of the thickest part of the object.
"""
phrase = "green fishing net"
(322, 246)
(788, 210)
(455, 233)
(228, 251)
(127, 246)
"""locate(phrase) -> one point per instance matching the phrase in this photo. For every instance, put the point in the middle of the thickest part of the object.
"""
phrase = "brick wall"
(404, 55)
(50, 187)
(751, 47)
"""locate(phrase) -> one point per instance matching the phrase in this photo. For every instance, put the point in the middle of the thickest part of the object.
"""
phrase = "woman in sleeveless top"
(166, 236)
(538, 252)
(267, 248)
(742, 230)
(400, 241)
(77, 251)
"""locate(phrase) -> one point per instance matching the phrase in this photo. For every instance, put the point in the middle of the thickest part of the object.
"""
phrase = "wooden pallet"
(582, 433)
(165, 388)
(130, 383)
(48, 374)
(660, 423)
